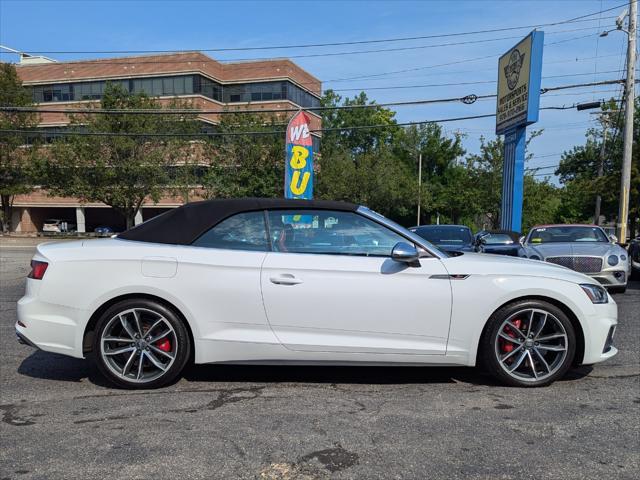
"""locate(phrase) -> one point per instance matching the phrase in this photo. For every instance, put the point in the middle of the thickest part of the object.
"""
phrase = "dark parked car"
(499, 242)
(451, 238)
(634, 254)
(103, 230)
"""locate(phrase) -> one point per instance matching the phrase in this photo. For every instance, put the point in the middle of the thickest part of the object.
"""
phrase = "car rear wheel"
(528, 344)
(141, 344)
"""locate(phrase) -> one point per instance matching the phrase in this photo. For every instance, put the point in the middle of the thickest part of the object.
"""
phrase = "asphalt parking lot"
(60, 420)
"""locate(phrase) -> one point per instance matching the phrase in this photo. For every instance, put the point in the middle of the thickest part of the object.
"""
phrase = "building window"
(179, 85)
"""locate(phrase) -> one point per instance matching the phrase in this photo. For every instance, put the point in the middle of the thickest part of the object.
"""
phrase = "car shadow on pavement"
(631, 286)
(51, 366)
(349, 374)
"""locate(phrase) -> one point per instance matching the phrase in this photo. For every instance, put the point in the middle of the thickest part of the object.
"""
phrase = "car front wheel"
(140, 344)
(528, 344)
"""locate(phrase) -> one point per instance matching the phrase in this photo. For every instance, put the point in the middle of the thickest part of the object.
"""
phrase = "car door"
(219, 279)
(329, 284)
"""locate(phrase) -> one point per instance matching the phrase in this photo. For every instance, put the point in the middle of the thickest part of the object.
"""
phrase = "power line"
(476, 70)
(590, 84)
(579, 19)
(468, 99)
(414, 69)
(264, 132)
(156, 61)
(219, 134)
(531, 169)
(479, 82)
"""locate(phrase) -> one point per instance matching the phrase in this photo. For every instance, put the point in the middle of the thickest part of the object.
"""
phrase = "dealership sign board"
(298, 175)
(519, 73)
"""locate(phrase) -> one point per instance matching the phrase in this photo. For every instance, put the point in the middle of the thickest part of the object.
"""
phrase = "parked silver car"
(584, 248)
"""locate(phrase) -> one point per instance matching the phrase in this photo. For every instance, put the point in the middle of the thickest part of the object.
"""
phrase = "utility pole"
(419, 186)
(625, 181)
(596, 215)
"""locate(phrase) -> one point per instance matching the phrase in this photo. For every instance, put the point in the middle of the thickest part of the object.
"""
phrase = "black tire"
(617, 289)
(488, 350)
(179, 335)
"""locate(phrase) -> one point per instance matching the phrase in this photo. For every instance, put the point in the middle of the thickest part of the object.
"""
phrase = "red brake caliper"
(164, 345)
(505, 345)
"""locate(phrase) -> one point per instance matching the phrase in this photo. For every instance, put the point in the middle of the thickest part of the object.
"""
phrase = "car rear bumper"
(49, 327)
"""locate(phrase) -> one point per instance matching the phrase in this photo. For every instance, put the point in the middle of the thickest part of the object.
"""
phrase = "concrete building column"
(16, 217)
(25, 225)
(80, 220)
(138, 218)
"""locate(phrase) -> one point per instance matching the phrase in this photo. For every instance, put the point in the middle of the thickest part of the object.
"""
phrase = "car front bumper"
(613, 277)
(599, 329)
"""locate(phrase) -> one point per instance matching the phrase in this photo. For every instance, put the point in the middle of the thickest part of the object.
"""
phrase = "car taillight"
(37, 269)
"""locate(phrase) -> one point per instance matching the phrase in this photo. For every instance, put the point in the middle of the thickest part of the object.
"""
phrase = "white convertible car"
(273, 281)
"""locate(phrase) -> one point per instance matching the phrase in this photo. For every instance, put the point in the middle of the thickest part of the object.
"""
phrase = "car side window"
(329, 232)
(244, 231)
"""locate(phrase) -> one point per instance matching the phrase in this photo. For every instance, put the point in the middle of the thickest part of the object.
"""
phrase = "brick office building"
(208, 84)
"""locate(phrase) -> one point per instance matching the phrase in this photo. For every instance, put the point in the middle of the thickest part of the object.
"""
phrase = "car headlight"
(534, 257)
(596, 293)
(612, 260)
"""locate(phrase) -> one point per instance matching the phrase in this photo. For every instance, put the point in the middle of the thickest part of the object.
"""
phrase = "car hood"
(455, 247)
(573, 248)
(487, 264)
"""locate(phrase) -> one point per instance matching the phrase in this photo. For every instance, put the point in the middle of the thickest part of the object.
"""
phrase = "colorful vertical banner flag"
(298, 174)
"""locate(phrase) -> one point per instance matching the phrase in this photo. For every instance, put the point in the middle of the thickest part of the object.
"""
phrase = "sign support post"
(518, 104)
(513, 179)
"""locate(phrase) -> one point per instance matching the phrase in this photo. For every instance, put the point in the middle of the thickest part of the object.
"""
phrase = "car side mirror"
(406, 253)
(482, 238)
(521, 240)
(613, 238)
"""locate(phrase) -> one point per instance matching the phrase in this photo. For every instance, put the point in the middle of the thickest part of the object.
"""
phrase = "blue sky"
(150, 25)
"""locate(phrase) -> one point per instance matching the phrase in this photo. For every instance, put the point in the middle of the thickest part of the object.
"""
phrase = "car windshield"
(445, 235)
(567, 234)
(498, 239)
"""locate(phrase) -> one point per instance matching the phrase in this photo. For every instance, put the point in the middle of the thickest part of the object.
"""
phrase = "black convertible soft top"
(183, 225)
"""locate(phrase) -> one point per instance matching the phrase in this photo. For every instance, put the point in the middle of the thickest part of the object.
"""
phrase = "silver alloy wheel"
(531, 345)
(138, 345)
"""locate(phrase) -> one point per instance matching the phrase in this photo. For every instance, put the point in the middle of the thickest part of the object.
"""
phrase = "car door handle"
(285, 279)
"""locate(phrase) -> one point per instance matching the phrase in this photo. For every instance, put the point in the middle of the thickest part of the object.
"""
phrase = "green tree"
(379, 166)
(578, 170)
(16, 157)
(243, 163)
(359, 164)
(541, 200)
(442, 177)
(347, 122)
(376, 179)
(109, 159)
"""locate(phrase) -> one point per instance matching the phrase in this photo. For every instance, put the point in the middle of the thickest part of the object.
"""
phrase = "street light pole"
(625, 181)
(419, 187)
(596, 216)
